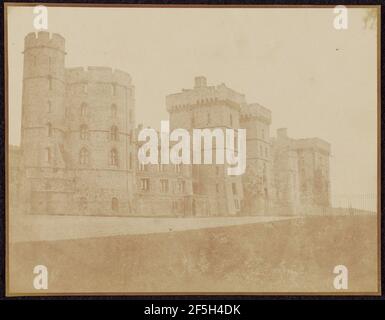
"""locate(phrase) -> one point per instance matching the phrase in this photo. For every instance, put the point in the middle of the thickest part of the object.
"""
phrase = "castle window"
(178, 168)
(234, 187)
(115, 204)
(83, 156)
(83, 132)
(114, 89)
(145, 184)
(208, 118)
(49, 64)
(217, 187)
(231, 120)
(164, 185)
(114, 157)
(83, 203)
(130, 161)
(264, 177)
(49, 130)
(174, 205)
(114, 110)
(236, 204)
(83, 109)
(49, 106)
(114, 133)
(48, 155)
(263, 133)
(181, 186)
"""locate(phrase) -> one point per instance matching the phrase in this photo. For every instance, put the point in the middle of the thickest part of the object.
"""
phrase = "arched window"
(49, 129)
(114, 133)
(83, 132)
(83, 203)
(114, 110)
(264, 173)
(50, 84)
(114, 157)
(115, 204)
(130, 161)
(48, 155)
(83, 109)
(83, 156)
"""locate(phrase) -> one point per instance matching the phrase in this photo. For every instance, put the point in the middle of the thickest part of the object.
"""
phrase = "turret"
(43, 113)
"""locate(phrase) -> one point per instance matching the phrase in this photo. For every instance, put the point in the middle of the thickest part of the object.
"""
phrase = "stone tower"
(257, 181)
(100, 116)
(313, 168)
(209, 107)
(43, 123)
(76, 141)
(285, 161)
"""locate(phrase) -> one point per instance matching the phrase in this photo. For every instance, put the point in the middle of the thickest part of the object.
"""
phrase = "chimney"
(282, 133)
(200, 82)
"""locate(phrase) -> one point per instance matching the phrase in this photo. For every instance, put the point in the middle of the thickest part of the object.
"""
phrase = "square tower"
(210, 107)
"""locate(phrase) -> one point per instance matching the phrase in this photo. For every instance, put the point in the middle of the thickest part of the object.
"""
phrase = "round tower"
(47, 186)
(43, 116)
(100, 117)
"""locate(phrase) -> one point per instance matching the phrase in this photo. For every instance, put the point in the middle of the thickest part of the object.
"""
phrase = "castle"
(78, 152)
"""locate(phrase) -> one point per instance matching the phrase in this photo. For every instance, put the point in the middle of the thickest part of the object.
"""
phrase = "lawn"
(296, 255)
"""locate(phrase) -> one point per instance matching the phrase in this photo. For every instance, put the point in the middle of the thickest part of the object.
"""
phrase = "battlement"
(201, 94)
(313, 143)
(44, 39)
(255, 111)
(97, 74)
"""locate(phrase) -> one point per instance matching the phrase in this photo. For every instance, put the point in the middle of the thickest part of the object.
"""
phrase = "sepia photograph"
(192, 150)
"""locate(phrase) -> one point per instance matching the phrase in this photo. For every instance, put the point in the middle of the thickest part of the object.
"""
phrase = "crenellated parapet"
(98, 74)
(317, 144)
(255, 111)
(44, 39)
(203, 95)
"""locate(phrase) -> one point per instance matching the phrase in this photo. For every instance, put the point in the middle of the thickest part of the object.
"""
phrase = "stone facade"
(78, 152)
(210, 107)
(76, 133)
(301, 168)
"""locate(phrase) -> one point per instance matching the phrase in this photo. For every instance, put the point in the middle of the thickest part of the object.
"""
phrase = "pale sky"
(316, 80)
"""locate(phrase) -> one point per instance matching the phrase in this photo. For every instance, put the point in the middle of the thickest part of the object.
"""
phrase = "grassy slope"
(292, 255)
